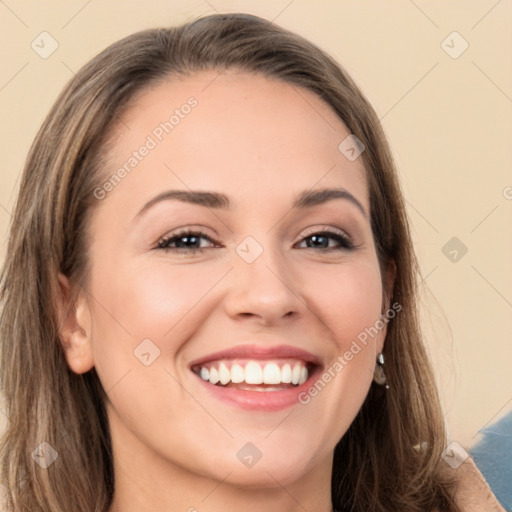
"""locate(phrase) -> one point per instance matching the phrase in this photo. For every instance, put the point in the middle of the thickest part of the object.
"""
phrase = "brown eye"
(184, 241)
(321, 240)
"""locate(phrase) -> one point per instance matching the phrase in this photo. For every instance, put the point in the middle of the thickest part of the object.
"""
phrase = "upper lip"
(259, 352)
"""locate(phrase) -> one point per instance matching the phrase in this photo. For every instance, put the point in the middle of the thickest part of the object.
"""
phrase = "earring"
(379, 377)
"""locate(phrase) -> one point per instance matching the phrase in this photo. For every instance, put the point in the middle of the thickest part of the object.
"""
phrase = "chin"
(269, 475)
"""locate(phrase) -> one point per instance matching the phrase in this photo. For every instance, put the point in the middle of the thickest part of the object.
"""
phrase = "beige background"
(449, 121)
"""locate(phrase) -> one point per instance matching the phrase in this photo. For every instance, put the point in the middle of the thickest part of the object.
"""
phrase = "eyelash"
(163, 244)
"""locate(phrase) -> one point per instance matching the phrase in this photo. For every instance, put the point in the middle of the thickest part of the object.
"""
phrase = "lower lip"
(260, 400)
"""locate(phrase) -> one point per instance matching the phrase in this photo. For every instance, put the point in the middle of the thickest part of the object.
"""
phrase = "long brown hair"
(389, 457)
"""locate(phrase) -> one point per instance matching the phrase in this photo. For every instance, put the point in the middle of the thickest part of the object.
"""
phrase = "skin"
(261, 142)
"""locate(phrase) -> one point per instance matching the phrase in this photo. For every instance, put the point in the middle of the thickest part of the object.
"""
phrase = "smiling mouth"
(255, 375)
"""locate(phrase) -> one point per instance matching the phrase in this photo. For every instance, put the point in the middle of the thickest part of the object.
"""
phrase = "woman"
(217, 307)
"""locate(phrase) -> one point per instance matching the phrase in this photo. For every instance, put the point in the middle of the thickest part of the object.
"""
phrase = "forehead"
(244, 134)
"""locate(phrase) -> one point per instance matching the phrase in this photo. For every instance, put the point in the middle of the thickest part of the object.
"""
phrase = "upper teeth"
(255, 372)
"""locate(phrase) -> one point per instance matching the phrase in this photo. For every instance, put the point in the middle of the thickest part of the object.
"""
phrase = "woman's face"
(263, 289)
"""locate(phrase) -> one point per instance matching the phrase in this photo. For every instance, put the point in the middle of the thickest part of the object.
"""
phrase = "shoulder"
(472, 493)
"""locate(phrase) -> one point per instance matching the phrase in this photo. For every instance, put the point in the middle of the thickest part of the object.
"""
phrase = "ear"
(388, 282)
(388, 285)
(74, 327)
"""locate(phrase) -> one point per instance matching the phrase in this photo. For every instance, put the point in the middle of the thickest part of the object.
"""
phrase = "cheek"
(139, 302)
(160, 301)
(152, 300)
(349, 300)
(348, 303)
(162, 297)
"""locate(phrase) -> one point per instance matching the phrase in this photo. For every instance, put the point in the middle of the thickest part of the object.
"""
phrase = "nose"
(263, 291)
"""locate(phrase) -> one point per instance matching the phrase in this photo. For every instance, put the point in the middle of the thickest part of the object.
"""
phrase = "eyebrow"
(216, 200)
